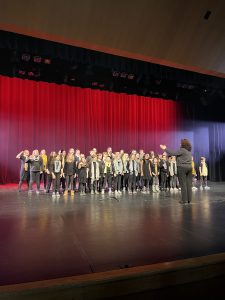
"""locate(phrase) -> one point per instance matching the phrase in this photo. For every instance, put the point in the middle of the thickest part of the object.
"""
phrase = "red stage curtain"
(52, 117)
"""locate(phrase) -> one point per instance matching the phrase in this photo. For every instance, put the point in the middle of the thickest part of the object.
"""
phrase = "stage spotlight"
(37, 59)
(37, 74)
(139, 78)
(115, 73)
(25, 57)
(123, 75)
(47, 61)
(130, 76)
(185, 86)
(95, 83)
(31, 73)
(21, 72)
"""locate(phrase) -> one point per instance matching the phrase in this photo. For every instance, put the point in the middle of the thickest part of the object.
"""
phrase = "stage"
(44, 238)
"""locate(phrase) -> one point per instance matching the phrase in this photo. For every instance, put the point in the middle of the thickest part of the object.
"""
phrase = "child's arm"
(142, 174)
(19, 154)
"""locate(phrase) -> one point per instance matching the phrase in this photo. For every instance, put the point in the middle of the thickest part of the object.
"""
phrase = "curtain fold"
(205, 127)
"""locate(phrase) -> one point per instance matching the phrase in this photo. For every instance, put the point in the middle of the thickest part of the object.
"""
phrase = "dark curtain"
(53, 117)
(217, 150)
(204, 124)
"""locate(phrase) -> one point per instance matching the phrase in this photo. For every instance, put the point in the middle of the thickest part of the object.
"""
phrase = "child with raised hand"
(24, 169)
(36, 168)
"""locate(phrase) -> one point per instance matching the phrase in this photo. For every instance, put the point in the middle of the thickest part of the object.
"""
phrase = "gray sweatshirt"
(184, 157)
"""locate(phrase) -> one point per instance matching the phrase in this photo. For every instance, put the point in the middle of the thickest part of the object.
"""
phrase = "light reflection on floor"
(42, 237)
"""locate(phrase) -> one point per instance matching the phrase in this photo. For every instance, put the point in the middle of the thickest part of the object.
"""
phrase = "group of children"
(103, 172)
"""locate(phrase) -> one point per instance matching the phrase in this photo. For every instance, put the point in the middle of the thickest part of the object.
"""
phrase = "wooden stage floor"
(42, 238)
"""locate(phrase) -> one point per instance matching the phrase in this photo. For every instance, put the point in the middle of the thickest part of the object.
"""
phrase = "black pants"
(63, 182)
(25, 176)
(125, 180)
(108, 179)
(49, 177)
(139, 181)
(82, 187)
(56, 183)
(146, 183)
(163, 180)
(185, 180)
(75, 183)
(94, 185)
(203, 181)
(118, 182)
(100, 183)
(69, 182)
(21, 182)
(34, 177)
(132, 182)
(44, 176)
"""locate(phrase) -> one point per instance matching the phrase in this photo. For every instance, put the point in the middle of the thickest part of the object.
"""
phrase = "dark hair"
(186, 144)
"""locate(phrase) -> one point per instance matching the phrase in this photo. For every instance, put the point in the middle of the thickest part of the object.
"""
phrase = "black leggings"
(108, 179)
(163, 180)
(118, 182)
(34, 177)
(44, 176)
(185, 180)
(56, 183)
(147, 183)
(125, 180)
(132, 182)
(69, 182)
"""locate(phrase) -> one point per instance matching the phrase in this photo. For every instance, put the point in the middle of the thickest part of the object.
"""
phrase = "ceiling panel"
(169, 32)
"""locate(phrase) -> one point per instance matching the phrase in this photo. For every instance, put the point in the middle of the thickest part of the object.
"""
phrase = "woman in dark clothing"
(25, 168)
(69, 173)
(146, 173)
(82, 175)
(49, 169)
(36, 168)
(184, 168)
